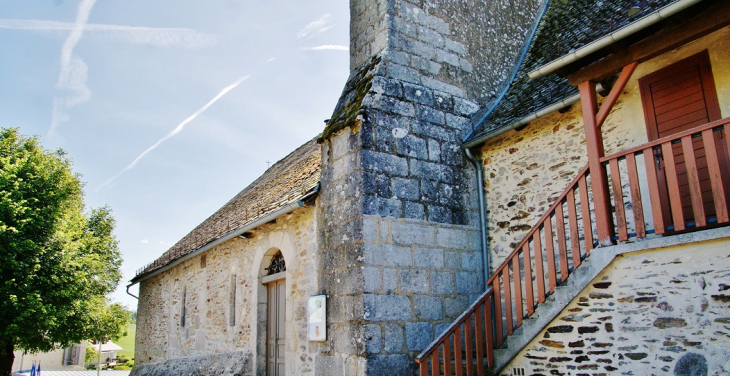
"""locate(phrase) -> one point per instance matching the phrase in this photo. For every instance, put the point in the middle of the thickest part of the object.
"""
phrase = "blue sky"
(169, 109)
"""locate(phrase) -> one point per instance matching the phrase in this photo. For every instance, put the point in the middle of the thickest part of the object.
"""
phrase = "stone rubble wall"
(236, 363)
(657, 312)
(206, 280)
(526, 170)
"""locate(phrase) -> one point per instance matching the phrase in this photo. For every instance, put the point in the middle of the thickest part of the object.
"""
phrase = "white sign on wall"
(317, 318)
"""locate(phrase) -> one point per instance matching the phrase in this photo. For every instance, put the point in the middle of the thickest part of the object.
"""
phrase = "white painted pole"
(98, 361)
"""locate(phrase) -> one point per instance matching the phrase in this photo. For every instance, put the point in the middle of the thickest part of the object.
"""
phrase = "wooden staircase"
(644, 190)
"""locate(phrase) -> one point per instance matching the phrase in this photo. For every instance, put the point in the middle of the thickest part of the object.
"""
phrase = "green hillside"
(127, 342)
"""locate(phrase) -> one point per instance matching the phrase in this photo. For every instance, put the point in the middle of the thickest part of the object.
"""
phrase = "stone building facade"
(381, 214)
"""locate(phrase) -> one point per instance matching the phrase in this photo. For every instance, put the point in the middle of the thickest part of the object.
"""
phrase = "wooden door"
(677, 98)
(276, 325)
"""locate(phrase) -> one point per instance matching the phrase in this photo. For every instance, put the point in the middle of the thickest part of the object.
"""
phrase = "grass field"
(127, 342)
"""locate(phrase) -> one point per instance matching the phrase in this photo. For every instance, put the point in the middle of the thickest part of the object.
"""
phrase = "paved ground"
(77, 373)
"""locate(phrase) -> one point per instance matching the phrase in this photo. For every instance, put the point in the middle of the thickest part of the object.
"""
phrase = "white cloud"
(74, 72)
(328, 47)
(145, 241)
(177, 129)
(162, 37)
(315, 27)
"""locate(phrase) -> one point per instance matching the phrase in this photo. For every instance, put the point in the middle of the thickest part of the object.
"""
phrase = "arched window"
(277, 265)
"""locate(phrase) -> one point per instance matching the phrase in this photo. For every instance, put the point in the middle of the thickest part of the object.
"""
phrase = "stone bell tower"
(398, 222)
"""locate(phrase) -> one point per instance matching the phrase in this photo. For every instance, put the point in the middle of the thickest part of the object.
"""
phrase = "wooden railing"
(564, 236)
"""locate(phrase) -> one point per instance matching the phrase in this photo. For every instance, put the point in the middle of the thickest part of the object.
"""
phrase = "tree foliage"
(57, 260)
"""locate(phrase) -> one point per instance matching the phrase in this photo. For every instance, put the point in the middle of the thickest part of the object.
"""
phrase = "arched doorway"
(275, 282)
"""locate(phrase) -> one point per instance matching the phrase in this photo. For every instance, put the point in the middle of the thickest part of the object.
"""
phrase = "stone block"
(411, 146)
(418, 335)
(390, 280)
(423, 169)
(471, 261)
(456, 238)
(440, 214)
(453, 307)
(373, 338)
(345, 338)
(432, 258)
(373, 279)
(405, 27)
(330, 365)
(442, 283)
(427, 307)
(388, 365)
(387, 86)
(454, 46)
(383, 207)
(431, 130)
(386, 163)
(429, 114)
(418, 94)
(465, 107)
(441, 86)
(415, 210)
(447, 57)
(394, 338)
(369, 229)
(443, 102)
(413, 280)
(387, 255)
(434, 150)
(452, 154)
(429, 190)
(425, 65)
(403, 73)
(469, 282)
(387, 308)
(430, 36)
(389, 104)
(457, 122)
(403, 188)
(409, 233)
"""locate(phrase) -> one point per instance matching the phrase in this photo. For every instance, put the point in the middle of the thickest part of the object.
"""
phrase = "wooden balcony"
(675, 184)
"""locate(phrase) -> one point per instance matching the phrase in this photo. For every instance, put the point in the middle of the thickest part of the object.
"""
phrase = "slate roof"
(287, 181)
(566, 25)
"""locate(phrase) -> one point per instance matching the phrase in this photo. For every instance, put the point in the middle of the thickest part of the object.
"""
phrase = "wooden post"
(599, 178)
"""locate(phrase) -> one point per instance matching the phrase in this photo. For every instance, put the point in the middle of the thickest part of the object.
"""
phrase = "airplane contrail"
(175, 131)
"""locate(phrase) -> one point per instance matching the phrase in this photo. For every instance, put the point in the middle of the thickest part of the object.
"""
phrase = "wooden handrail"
(670, 138)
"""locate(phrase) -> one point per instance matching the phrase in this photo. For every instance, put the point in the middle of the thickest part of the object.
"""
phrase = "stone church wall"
(165, 347)
(526, 170)
(658, 312)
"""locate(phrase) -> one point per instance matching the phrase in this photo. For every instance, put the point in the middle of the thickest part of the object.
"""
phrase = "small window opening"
(203, 261)
(182, 307)
(277, 265)
(232, 302)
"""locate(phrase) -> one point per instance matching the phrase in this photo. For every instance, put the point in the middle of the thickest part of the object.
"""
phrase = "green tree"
(57, 260)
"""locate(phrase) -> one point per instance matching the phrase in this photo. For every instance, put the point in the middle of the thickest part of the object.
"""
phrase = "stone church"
(504, 187)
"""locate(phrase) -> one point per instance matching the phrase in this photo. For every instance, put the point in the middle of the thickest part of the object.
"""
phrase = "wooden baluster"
(479, 333)
(573, 225)
(435, 362)
(497, 312)
(507, 299)
(585, 208)
(618, 201)
(447, 355)
(527, 267)
(423, 367)
(518, 289)
(489, 332)
(468, 345)
(675, 201)
(635, 190)
(539, 272)
(549, 249)
(562, 247)
(695, 192)
(713, 166)
(458, 354)
(654, 197)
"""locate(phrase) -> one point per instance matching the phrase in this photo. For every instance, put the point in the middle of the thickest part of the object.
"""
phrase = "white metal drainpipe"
(482, 214)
